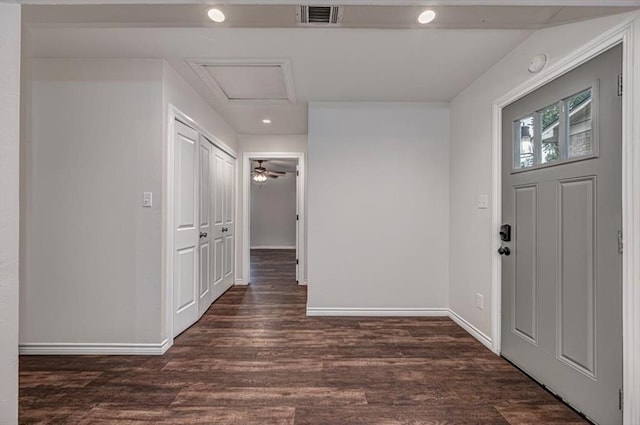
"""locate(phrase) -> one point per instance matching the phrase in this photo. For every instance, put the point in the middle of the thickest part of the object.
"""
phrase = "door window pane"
(580, 124)
(525, 142)
(550, 134)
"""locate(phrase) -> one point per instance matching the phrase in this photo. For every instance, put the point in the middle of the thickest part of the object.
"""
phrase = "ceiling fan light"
(260, 178)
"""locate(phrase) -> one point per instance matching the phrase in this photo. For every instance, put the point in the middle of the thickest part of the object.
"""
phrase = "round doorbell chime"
(537, 63)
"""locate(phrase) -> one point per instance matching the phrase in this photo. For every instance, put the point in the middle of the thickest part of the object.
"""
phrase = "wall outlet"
(480, 301)
(147, 199)
(483, 202)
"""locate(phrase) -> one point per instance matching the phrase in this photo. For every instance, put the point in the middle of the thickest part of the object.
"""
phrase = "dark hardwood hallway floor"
(255, 359)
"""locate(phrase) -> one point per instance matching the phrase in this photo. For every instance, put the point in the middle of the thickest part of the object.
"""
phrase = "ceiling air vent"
(319, 15)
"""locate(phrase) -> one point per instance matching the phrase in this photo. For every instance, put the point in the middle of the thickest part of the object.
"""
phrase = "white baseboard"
(73, 348)
(241, 282)
(404, 312)
(273, 247)
(302, 282)
(472, 330)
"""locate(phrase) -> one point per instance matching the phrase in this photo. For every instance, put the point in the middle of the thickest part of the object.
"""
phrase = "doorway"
(273, 216)
(273, 219)
(561, 237)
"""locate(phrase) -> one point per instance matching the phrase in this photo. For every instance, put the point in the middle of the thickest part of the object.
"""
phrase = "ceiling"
(379, 54)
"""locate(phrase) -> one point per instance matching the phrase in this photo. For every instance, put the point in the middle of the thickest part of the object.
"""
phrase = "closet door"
(223, 223)
(185, 228)
(207, 168)
(229, 220)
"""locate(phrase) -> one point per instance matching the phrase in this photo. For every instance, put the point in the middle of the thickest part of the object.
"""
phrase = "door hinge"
(297, 173)
(620, 399)
(297, 217)
(620, 242)
(620, 85)
(297, 261)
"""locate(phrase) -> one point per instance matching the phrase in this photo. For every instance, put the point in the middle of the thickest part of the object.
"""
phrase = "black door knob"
(503, 250)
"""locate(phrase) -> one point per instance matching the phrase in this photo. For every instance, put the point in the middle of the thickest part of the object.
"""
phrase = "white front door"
(185, 228)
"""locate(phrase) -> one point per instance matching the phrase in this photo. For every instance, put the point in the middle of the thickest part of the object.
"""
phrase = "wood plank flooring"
(255, 359)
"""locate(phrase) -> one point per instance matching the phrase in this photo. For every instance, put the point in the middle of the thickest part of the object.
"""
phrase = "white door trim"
(246, 211)
(627, 33)
(167, 209)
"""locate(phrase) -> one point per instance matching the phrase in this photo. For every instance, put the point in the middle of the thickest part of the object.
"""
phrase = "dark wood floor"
(256, 359)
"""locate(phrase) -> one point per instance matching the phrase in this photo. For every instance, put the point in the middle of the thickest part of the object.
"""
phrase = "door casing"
(247, 157)
(628, 34)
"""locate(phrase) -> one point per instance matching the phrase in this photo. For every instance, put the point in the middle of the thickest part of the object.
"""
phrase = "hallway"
(256, 359)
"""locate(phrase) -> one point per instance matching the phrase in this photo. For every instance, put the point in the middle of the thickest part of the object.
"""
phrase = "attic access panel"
(247, 81)
(264, 82)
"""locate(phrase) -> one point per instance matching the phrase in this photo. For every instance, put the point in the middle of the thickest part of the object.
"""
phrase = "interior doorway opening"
(273, 216)
(273, 220)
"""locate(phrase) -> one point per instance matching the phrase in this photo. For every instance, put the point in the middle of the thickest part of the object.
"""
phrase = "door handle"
(203, 234)
(224, 229)
(504, 250)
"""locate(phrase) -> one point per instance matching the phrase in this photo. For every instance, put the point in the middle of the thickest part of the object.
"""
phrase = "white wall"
(284, 143)
(179, 93)
(471, 230)
(273, 213)
(378, 205)
(9, 208)
(92, 254)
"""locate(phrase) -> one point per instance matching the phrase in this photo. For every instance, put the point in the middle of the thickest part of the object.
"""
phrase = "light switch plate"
(480, 301)
(483, 202)
(147, 199)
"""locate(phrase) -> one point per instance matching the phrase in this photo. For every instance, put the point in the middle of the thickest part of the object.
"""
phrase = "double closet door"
(204, 228)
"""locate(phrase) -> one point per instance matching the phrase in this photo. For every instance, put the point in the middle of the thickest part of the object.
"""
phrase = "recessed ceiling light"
(426, 16)
(266, 121)
(216, 15)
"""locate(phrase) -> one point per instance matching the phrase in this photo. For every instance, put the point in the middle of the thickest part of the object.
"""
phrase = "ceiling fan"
(260, 173)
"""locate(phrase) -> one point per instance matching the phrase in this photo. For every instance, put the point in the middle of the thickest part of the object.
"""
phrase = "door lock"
(504, 250)
(203, 234)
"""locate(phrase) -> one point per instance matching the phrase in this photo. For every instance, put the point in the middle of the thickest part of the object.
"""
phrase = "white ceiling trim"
(622, 3)
(198, 65)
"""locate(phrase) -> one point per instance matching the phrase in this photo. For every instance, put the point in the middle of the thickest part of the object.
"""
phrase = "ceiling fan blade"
(275, 173)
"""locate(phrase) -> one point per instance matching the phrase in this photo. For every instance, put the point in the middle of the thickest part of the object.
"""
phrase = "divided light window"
(561, 132)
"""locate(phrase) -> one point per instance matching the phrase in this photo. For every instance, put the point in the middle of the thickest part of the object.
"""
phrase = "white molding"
(631, 224)
(177, 114)
(77, 348)
(472, 330)
(241, 282)
(198, 66)
(402, 312)
(246, 208)
(273, 247)
(628, 32)
(377, 312)
(424, 3)
(303, 283)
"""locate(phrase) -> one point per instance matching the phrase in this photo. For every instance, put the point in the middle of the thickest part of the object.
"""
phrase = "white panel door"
(223, 224)
(229, 220)
(186, 227)
(207, 166)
